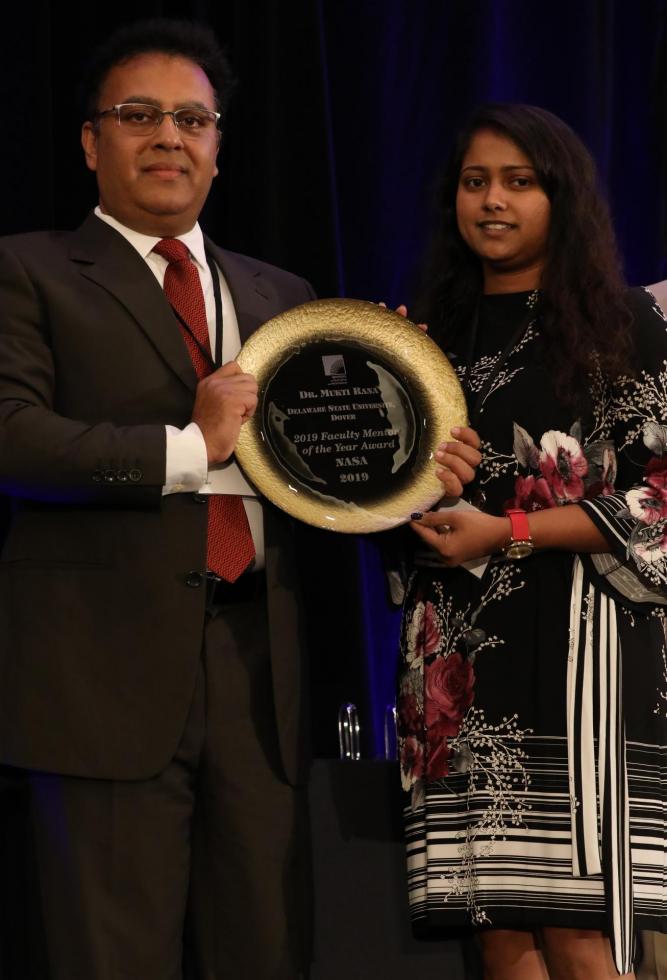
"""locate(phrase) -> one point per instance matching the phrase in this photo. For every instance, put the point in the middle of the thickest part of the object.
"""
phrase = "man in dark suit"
(156, 706)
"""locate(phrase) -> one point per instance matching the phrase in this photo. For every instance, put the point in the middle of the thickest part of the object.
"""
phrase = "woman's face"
(502, 212)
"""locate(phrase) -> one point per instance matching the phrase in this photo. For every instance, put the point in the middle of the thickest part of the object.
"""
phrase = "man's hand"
(224, 401)
(458, 460)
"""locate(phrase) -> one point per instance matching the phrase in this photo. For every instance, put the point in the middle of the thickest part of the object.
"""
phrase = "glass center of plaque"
(340, 421)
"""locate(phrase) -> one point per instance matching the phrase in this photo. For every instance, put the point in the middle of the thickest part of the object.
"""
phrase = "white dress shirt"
(187, 469)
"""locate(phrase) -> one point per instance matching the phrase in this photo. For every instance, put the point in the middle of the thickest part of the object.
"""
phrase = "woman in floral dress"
(533, 698)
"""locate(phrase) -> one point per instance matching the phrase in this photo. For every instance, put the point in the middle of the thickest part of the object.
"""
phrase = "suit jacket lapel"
(255, 300)
(104, 257)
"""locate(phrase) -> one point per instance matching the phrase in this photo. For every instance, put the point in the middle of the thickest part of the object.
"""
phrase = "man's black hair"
(179, 38)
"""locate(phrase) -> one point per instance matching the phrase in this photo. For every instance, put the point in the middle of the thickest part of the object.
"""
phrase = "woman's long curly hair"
(584, 313)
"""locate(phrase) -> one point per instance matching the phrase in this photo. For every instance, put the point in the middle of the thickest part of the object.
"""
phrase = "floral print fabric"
(482, 690)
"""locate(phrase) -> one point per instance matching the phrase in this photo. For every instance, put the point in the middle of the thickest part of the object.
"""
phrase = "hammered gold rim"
(425, 372)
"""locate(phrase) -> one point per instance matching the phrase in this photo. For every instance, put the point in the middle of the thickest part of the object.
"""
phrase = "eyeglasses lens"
(145, 119)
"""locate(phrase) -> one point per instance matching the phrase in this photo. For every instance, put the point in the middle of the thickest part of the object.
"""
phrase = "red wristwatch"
(521, 543)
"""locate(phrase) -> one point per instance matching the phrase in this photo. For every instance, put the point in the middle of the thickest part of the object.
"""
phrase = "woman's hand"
(460, 535)
(458, 460)
(402, 310)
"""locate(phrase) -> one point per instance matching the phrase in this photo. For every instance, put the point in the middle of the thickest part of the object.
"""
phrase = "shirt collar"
(144, 244)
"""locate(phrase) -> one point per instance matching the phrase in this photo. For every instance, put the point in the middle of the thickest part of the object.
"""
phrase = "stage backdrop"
(344, 112)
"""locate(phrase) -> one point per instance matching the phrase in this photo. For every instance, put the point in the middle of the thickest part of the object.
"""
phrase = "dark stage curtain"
(344, 112)
(272, 199)
(401, 78)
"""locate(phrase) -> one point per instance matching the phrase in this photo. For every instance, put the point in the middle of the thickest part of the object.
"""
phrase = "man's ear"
(89, 144)
(217, 152)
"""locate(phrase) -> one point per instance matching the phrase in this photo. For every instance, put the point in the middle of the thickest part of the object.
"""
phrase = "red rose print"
(440, 724)
(410, 718)
(448, 692)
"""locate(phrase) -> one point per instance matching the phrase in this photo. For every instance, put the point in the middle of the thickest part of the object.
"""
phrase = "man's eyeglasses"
(138, 119)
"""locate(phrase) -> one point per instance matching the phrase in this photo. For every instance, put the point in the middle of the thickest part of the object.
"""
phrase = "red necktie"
(230, 548)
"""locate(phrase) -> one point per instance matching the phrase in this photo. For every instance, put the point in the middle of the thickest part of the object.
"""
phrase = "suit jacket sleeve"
(44, 454)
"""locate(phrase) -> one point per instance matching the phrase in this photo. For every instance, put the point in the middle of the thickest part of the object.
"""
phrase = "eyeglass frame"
(163, 112)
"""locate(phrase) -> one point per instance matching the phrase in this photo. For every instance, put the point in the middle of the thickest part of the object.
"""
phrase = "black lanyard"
(216, 361)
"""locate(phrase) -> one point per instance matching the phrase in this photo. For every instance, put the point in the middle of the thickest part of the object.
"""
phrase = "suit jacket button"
(109, 476)
(200, 498)
(121, 476)
(194, 579)
(97, 476)
(135, 474)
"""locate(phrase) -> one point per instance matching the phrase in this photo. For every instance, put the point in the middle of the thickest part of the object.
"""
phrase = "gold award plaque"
(353, 402)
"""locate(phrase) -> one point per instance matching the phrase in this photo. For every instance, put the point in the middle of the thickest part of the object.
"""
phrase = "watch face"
(519, 549)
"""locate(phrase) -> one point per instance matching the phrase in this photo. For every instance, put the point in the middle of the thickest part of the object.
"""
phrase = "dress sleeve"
(633, 518)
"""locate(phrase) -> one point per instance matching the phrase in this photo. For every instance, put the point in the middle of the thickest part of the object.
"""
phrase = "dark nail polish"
(417, 516)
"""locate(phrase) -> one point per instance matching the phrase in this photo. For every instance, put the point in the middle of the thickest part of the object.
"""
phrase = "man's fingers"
(227, 376)
(239, 383)
(229, 384)
(227, 370)
(226, 392)
(243, 401)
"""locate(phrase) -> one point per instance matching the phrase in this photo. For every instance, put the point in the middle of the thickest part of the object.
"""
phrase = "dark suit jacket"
(100, 633)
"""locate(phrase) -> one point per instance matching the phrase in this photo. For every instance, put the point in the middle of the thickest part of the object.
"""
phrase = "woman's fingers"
(402, 310)
(435, 519)
(463, 464)
(452, 485)
(466, 435)
(434, 535)
(458, 460)
(458, 536)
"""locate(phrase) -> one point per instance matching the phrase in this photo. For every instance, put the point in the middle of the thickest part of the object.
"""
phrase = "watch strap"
(519, 521)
